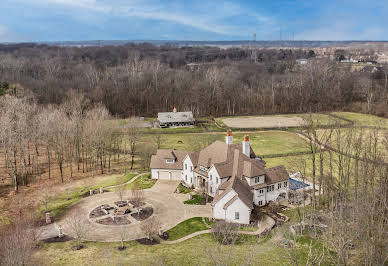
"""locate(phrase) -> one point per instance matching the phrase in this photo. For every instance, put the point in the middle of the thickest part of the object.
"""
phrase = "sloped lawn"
(188, 227)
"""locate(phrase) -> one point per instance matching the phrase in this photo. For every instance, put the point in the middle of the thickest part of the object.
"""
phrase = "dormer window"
(170, 160)
(257, 179)
(202, 168)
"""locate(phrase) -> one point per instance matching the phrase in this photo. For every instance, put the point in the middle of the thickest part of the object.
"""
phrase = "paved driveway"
(168, 207)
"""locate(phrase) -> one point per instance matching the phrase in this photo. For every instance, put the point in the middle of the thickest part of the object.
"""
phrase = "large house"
(230, 173)
(175, 119)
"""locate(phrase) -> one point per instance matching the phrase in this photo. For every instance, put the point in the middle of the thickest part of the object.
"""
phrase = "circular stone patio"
(167, 206)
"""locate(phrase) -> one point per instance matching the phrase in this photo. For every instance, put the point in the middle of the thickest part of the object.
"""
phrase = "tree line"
(141, 80)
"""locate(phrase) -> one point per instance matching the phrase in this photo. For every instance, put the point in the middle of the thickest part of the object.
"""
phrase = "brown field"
(264, 122)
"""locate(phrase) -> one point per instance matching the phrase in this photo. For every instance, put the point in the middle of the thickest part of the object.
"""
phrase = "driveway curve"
(168, 207)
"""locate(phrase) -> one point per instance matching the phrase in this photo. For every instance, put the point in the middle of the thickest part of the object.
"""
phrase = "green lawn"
(264, 143)
(196, 200)
(364, 119)
(142, 182)
(190, 252)
(184, 189)
(188, 227)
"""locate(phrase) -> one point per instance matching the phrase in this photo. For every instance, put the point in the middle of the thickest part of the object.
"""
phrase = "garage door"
(164, 175)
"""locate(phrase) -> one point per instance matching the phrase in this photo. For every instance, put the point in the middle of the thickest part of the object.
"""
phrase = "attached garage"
(166, 174)
(167, 164)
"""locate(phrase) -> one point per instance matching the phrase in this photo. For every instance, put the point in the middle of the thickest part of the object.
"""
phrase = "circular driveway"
(168, 208)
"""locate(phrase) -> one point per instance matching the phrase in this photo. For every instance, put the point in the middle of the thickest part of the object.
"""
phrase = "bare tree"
(137, 198)
(150, 227)
(78, 228)
(225, 233)
(17, 243)
(133, 138)
(146, 151)
(121, 192)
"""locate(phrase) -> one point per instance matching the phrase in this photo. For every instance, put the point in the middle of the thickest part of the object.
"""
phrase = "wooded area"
(141, 80)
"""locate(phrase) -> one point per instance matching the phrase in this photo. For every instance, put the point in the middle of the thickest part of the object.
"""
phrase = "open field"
(279, 121)
(364, 119)
(263, 122)
(190, 252)
(344, 139)
(264, 143)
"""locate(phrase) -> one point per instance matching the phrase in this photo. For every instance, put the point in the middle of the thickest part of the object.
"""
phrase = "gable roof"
(243, 192)
(276, 174)
(230, 202)
(166, 117)
(158, 161)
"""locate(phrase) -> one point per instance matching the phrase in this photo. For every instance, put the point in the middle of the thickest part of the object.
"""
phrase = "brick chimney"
(246, 146)
(229, 137)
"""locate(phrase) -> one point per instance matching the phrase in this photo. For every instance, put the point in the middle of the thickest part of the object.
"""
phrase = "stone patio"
(167, 206)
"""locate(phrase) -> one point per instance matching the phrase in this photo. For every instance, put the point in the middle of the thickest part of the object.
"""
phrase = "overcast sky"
(58, 20)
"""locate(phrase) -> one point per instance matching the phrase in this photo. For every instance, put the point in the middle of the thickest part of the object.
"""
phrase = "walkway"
(266, 224)
(126, 183)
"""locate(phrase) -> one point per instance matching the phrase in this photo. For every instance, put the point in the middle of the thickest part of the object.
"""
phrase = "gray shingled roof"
(170, 117)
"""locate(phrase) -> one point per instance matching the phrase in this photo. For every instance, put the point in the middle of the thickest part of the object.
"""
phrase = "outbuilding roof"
(170, 117)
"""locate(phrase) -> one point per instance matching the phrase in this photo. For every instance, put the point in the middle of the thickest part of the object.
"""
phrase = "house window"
(261, 191)
(211, 189)
(191, 168)
(257, 179)
(216, 180)
(191, 180)
(186, 178)
(270, 188)
(211, 177)
(170, 161)
(236, 215)
(279, 185)
(185, 166)
(285, 183)
(260, 203)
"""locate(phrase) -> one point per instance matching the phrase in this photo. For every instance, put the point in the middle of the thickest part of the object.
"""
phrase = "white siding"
(267, 197)
(229, 214)
(188, 171)
(213, 176)
(242, 209)
(166, 174)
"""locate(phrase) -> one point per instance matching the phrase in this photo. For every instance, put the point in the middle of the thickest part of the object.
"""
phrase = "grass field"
(364, 119)
(187, 227)
(345, 139)
(264, 143)
(190, 252)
